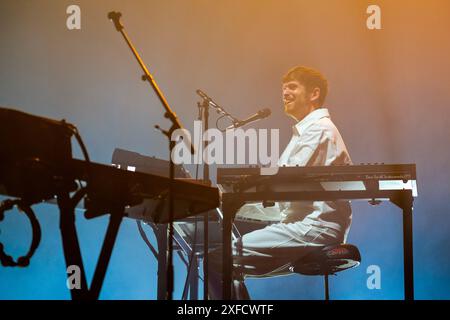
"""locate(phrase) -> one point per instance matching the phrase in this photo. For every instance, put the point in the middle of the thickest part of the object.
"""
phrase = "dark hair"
(310, 78)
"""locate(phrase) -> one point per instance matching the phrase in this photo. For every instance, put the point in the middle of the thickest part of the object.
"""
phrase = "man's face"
(294, 98)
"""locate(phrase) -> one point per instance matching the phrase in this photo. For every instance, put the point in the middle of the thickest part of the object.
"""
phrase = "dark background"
(389, 96)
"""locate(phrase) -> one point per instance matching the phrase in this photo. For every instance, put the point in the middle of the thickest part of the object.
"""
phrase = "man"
(301, 226)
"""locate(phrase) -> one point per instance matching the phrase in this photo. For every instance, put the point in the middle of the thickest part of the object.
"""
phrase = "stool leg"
(327, 294)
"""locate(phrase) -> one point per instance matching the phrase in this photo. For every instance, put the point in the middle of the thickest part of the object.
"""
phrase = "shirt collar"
(312, 117)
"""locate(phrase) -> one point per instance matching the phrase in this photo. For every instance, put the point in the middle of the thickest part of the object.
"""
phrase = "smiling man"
(297, 227)
(315, 142)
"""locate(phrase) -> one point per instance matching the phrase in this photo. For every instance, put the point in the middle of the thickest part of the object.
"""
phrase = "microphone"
(115, 17)
(257, 116)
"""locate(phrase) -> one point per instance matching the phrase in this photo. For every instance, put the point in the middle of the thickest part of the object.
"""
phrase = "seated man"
(302, 225)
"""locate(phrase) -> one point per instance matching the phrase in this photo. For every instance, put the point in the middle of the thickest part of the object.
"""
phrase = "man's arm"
(316, 147)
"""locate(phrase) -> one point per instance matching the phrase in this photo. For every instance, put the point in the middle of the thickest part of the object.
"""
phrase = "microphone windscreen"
(265, 112)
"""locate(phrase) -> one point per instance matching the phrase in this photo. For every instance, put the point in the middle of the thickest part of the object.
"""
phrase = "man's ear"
(315, 95)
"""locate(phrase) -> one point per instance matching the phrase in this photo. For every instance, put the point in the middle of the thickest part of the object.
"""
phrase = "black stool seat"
(327, 261)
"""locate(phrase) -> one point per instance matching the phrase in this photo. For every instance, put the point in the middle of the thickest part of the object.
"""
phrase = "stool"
(327, 261)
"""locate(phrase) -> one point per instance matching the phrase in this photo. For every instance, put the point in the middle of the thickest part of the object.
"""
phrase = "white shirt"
(315, 142)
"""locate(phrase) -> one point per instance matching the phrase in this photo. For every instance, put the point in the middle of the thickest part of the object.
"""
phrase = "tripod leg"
(71, 246)
(408, 251)
(327, 289)
(161, 236)
(105, 254)
(193, 280)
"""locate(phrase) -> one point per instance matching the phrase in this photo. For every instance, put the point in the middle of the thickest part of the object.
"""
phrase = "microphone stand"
(115, 17)
(204, 106)
(204, 115)
(220, 110)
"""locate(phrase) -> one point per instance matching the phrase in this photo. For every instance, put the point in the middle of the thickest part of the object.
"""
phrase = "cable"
(191, 258)
(217, 123)
(145, 238)
(78, 138)
(83, 150)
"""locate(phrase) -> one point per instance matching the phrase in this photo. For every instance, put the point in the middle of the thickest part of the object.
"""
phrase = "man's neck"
(303, 113)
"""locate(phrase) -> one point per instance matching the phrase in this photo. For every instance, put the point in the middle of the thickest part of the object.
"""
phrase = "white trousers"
(270, 251)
